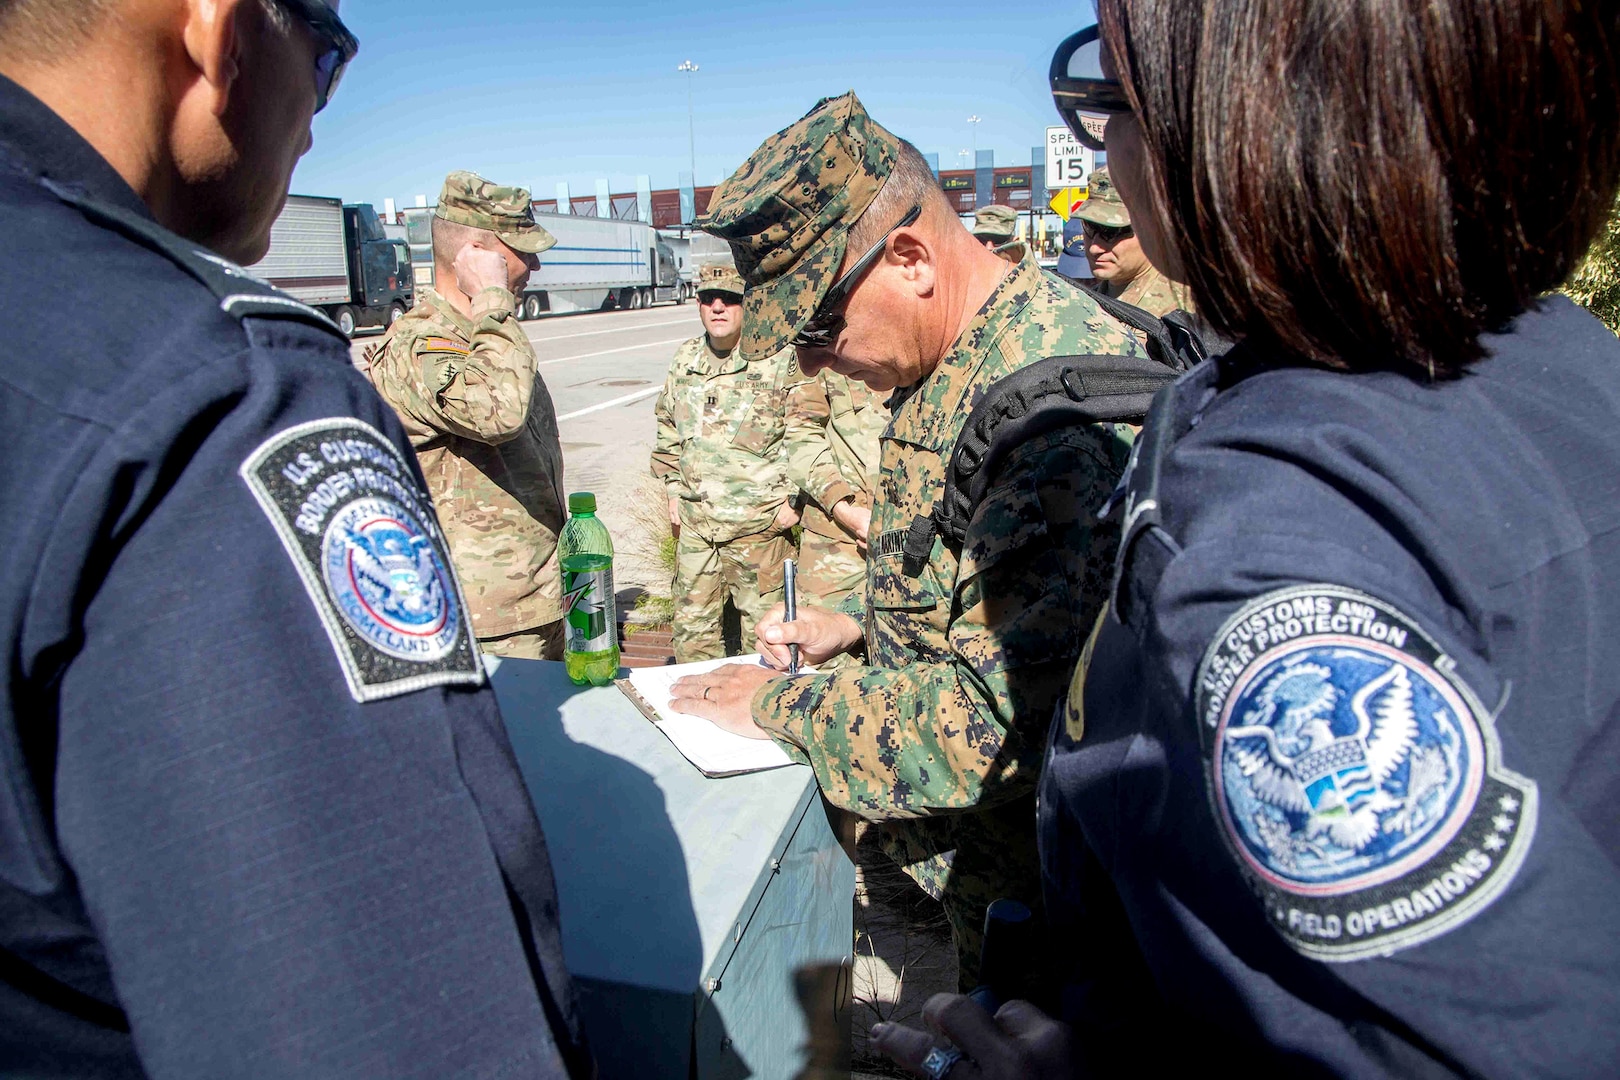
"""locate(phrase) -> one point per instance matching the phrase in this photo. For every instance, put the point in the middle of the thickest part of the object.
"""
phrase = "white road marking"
(610, 352)
(627, 399)
(616, 330)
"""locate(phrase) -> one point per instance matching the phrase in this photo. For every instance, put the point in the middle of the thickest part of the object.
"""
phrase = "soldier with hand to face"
(460, 371)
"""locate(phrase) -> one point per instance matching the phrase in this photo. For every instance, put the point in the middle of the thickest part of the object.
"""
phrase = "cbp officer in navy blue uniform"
(1334, 790)
(258, 816)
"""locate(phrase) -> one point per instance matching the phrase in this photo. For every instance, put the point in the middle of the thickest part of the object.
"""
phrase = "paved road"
(604, 371)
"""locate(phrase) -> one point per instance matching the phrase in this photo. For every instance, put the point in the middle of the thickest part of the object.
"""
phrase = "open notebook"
(714, 751)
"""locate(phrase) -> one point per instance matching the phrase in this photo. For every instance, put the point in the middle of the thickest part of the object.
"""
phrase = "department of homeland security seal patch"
(1357, 778)
(367, 547)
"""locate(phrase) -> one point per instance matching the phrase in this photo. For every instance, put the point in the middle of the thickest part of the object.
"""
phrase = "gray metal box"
(688, 904)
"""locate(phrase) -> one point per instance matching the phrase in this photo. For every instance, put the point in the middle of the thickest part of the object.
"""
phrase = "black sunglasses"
(825, 323)
(1084, 96)
(341, 45)
(1108, 234)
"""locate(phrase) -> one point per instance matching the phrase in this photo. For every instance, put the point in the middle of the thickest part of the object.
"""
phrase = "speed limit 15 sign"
(1068, 164)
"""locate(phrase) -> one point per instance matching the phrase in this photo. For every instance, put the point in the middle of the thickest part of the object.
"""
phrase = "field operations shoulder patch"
(1357, 779)
(364, 540)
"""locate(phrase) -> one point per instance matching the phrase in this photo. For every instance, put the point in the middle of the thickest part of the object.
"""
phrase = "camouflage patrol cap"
(998, 223)
(1103, 206)
(468, 199)
(787, 213)
(721, 278)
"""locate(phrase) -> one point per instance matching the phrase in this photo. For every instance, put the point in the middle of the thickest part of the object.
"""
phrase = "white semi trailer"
(339, 259)
(597, 263)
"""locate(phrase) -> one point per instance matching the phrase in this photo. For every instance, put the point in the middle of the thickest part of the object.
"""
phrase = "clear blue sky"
(542, 92)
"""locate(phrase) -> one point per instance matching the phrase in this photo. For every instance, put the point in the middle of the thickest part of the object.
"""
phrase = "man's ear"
(213, 37)
(913, 253)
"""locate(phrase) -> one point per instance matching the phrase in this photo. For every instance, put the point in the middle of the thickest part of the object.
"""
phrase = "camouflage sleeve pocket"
(892, 590)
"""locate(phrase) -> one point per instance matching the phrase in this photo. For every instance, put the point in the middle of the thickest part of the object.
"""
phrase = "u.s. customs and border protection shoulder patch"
(364, 540)
(1357, 780)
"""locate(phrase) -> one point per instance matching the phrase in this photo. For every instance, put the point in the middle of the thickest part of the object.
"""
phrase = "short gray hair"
(911, 183)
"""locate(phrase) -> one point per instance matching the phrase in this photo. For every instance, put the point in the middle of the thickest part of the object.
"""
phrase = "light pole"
(974, 121)
(691, 125)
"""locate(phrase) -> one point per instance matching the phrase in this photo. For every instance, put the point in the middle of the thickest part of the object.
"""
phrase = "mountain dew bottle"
(591, 651)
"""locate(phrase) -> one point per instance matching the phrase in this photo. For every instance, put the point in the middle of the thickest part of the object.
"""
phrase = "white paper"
(712, 749)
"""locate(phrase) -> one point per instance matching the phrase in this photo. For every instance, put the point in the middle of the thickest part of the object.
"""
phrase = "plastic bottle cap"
(582, 502)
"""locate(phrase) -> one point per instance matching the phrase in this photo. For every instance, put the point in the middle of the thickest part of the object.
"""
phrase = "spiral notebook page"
(714, 751)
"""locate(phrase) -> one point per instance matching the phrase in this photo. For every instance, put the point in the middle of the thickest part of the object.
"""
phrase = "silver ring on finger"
(706, 690)
(940, 1061)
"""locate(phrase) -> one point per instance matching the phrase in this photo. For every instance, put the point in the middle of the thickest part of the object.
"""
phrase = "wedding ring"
(940, 1060)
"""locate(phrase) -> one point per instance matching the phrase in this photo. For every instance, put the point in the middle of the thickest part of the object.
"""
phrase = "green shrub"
(1596, 283)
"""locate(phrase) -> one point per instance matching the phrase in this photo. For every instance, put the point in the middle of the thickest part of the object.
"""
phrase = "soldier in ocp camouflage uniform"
(833, 426)
(460, 372)
(721, 455)
(938, 736)
(1116, 256)
(996, 227)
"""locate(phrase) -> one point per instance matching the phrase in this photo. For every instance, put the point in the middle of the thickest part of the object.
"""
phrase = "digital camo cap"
(787, 211)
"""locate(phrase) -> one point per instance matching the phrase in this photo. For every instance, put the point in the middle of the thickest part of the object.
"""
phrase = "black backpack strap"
(240, 294)
(1054, 393)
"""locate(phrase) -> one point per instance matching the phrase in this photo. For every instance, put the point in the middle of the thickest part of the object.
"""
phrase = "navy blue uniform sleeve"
(301, 859)
(1344, 830)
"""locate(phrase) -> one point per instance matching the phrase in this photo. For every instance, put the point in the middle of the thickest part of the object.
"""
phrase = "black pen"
(790, 607)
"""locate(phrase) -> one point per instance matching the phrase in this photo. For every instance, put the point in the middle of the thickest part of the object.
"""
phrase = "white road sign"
(1068, 164)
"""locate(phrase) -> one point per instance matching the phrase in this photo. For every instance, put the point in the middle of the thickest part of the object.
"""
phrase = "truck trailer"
(338, 258)
(597, 263)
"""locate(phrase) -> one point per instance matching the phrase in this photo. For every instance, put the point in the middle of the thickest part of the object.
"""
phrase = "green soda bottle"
(585, 549)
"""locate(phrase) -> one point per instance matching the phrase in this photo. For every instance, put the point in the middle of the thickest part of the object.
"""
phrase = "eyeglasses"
(706, 296)
(1084, 96)
(341, 45)
(825, 323)
(1108, 234)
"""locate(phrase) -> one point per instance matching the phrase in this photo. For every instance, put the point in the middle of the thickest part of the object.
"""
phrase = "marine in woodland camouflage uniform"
(939, 735)
(833, 426)
(1147, 289)
(485, 431)
(721, 454)
(997, 228)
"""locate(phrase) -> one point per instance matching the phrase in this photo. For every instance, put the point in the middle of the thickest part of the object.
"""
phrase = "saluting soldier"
(721, 455)
(852, 253)
(461, 373)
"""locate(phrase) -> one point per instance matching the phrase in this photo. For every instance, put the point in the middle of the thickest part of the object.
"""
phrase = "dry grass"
(646, 538)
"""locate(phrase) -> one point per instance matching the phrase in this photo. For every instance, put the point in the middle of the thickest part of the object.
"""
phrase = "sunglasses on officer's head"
(1084, 96)
(341, 45)
(825, 323)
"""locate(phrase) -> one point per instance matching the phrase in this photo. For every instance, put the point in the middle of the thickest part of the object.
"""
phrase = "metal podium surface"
(688, 904)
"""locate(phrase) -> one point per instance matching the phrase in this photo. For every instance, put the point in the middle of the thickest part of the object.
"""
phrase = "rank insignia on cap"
(363, 538)
(1356, 777)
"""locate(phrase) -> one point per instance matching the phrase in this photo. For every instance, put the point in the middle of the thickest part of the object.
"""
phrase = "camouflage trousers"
(747, 570)
(829, 568)
(967, 862)
(541, 643)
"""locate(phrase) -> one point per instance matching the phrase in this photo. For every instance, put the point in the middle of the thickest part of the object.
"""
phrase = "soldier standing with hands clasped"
(721, 455)
(460, 372)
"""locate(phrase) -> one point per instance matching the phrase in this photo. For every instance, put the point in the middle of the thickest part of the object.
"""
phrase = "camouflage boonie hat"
(787, 213)
(1103, 206)
(999, 223)
(720, 277)
(469, 199)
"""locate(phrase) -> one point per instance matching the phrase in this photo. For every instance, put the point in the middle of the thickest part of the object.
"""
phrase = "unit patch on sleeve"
(1357, 779)
(367, 546)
